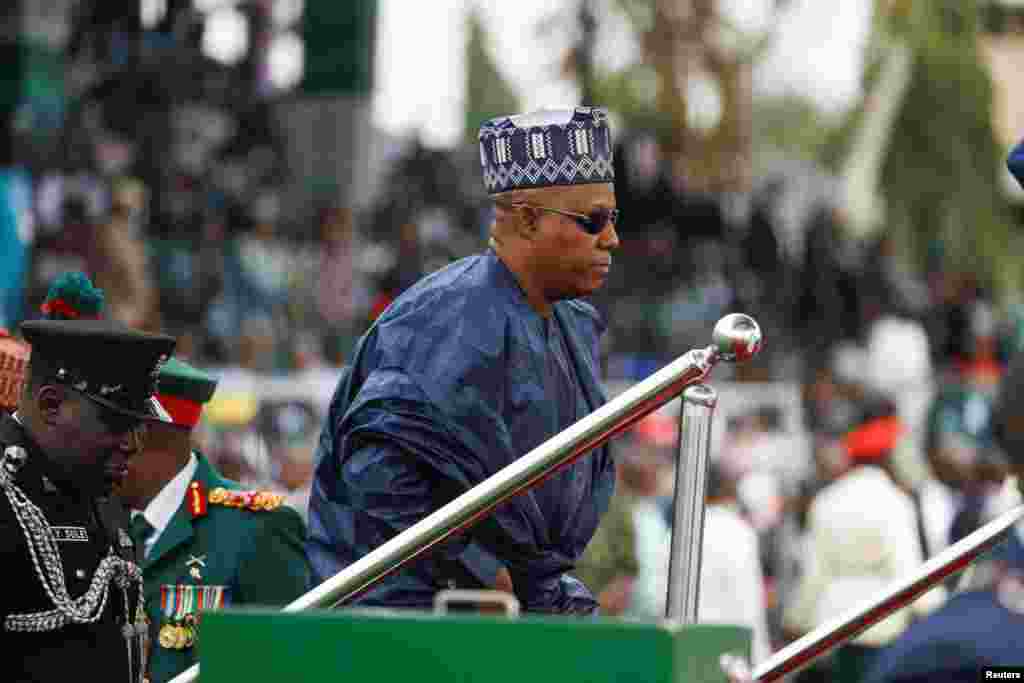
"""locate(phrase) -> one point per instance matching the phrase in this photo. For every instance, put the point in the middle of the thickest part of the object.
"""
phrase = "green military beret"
(181, 392)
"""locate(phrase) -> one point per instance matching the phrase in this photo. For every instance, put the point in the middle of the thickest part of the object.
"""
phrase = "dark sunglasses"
(592, 223)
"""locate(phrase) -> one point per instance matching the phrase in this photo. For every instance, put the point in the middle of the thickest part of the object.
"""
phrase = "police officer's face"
(570, 261)
(99, 443)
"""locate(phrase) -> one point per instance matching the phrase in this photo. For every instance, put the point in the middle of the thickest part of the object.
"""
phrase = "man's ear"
(48, 400)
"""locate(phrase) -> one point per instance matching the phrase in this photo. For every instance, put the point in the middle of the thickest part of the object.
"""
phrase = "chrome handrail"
(736, 338)
(950, 561)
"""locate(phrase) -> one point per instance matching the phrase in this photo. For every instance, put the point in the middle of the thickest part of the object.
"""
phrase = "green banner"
(340, 39)
(12, 76)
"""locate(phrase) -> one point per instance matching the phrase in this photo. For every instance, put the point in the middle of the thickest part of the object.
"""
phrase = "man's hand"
(503, 584)
(736, 668)
(616, 596)
(503, 581)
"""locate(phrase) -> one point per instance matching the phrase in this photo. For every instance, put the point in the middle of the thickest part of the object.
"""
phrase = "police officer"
(71, 597)
(204, 543)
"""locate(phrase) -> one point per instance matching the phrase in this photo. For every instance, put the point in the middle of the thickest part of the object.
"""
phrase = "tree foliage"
(488, 94)
(940, 175)
(793, 125)
(690, 51)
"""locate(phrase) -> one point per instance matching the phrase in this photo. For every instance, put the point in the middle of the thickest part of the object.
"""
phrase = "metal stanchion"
(688, 503)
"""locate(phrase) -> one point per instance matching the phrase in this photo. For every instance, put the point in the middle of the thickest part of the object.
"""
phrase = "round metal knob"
(701, 395)
(737, 338)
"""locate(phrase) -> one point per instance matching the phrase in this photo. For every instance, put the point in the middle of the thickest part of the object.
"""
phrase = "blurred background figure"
(124, 270)
(336, 295)
(14, 354)
(862, 534)
(732, 581)
(610, 564)
(978, 628)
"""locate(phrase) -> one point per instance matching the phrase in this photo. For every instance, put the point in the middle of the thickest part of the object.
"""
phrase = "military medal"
(181, 606)
(180, 637)
(189, 630)
(166, 636)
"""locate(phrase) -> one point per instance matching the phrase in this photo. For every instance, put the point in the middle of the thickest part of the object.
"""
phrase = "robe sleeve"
(391, 490)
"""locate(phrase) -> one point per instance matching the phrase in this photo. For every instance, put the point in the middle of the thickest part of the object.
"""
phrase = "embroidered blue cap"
(1016, 163)
(546, 148)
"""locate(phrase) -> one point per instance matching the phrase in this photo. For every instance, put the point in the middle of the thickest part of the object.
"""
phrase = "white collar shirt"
(165, 504)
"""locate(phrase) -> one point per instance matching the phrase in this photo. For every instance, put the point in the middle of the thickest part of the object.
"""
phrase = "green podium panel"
(370, 646)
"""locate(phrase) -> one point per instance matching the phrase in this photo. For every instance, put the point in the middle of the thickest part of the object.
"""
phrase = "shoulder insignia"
(196, 499)
(250, 500)
(14, 458)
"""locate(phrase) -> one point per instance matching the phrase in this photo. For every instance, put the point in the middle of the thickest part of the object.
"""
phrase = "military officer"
(204, 543)
(70, 602)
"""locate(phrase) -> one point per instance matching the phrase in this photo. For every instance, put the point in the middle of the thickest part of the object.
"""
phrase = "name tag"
(70, 533)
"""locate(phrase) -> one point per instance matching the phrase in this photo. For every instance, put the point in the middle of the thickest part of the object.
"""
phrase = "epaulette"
(250, 500)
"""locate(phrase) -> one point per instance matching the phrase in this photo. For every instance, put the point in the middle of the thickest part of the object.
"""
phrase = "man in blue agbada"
(473, 367)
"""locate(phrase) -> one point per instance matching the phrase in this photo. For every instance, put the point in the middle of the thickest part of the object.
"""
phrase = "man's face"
(95, 443)
(151, 469)
(566, 259)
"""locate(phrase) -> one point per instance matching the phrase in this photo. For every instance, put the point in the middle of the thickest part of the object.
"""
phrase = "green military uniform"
(223, 546)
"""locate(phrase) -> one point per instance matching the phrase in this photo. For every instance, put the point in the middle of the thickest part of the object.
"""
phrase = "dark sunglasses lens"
(597, 220)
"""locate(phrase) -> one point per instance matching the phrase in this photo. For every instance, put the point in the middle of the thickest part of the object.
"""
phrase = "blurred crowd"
(887, 457)
(166, 186)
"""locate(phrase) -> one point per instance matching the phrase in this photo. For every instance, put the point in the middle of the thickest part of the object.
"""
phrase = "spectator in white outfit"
(862, 536)
(732, 588)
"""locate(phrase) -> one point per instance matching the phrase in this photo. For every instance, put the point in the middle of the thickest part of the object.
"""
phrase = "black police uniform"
(70, 592)
(96, 651)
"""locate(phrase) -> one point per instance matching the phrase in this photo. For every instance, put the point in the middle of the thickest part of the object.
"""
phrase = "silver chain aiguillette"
(46, 559)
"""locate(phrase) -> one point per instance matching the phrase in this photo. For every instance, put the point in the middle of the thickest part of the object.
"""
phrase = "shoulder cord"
(46, 560)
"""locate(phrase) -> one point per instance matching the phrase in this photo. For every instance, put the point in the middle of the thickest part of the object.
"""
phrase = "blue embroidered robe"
(451, 384)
